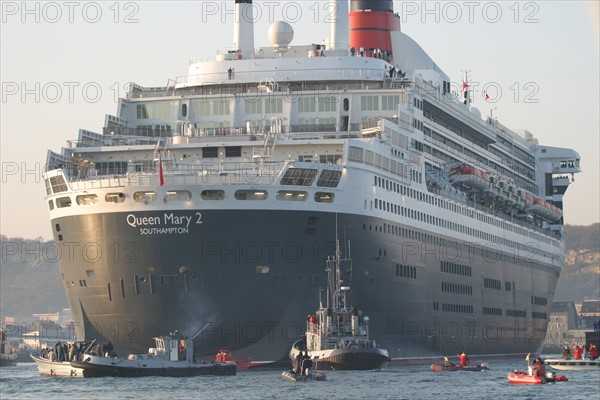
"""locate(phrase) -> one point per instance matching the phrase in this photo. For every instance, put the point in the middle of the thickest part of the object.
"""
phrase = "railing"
(207, 173)
(283, 75)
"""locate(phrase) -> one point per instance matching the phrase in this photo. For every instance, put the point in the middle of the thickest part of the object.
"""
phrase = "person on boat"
(447, 363)
(577, 352)
(298, 363)
(593, 353)
(464, 359)
(567, 353)
(539, 369)
(306, 366)
(109, 349)
(312, 322)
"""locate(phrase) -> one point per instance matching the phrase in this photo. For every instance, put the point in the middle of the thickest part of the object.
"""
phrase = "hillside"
(580, 277)
(30, 279)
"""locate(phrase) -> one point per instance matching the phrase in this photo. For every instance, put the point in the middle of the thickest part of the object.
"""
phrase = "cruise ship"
(210, 204)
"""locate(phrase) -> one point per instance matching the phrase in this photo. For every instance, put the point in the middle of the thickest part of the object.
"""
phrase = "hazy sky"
(63, 64)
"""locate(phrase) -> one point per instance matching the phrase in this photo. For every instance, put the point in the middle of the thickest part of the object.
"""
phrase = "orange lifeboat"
(525, 199)
(546, 210)
(469, 176)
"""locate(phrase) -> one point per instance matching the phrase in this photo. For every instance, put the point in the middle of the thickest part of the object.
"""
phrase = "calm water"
(414, 382)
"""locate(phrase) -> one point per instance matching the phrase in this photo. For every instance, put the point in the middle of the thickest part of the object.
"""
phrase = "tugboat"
(337, 337)
(172, 356)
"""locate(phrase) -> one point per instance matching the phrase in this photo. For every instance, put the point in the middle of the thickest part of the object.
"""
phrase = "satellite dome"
(475, 111)
(281, 34)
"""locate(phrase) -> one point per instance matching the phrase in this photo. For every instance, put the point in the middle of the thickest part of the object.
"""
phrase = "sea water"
(396, 382)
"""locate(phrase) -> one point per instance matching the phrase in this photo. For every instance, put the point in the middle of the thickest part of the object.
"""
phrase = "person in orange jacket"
(593, 353)
(464, 359)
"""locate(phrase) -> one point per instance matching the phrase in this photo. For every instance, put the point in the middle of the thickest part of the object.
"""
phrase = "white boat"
(573, 365)
(47, 367)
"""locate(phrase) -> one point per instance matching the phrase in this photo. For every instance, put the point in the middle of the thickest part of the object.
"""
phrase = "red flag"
(161, 178)
(487, 96)
(464, 86)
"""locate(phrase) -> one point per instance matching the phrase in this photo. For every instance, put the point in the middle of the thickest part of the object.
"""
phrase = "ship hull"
(246, 279)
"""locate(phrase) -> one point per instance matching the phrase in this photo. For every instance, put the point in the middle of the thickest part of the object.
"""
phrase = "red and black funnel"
(371, 22)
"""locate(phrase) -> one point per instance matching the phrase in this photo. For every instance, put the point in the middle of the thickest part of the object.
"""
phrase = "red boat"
(523, 378)
(224, 355)
(454, 367)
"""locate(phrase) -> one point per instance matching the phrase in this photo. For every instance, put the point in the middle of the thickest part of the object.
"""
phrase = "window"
(221, 107)
(291, 195)
(114, 197)
(233, 151)
(329, 178)
(327, 104)
(299, 176)
(50, 205)
(369, 103)
(201, 108)
(154, 110)
(178, 195)
(86, 199)
(273, 106)
(306, 104)
(210, 152)
(253, 106)
(251, 195)
(389, 103)
(323, 197)
(58, 184)
(212, 195)
(184, 110)
(63, 202)
(146, 197)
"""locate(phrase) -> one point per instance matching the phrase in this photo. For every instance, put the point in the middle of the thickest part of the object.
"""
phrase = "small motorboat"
(172, 356)
(453, 367)
(290, 375)
(573, 365)
(524, 378)
(224, 355)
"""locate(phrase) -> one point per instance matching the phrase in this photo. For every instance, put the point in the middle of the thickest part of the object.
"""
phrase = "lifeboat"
(545, 210)
(469, 176)
(525, 199)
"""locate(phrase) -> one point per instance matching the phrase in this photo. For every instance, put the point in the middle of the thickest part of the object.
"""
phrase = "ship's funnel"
(339, 38)
(371, 24)
(243, 31)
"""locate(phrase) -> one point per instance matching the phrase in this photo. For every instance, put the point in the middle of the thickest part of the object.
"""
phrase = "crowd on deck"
(63, 351)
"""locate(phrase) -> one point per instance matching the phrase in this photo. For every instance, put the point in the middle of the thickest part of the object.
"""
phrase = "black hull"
(8, 360)
(97, 370)
(249, 278)
(350, 361)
